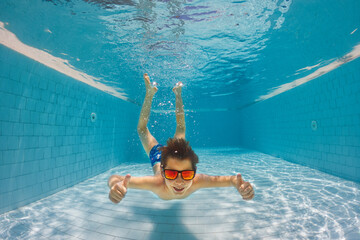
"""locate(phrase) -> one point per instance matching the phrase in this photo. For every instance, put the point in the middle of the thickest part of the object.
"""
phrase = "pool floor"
(291, 202)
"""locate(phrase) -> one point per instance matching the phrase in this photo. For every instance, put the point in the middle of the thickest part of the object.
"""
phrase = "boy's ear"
(162, 170)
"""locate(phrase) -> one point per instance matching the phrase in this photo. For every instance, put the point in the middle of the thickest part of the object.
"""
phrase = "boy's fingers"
(117, 199)
(246, 190)
(118, 191)
(248, 193)
(126, 180)
(121, 191)
(249, 196)
(113, 199)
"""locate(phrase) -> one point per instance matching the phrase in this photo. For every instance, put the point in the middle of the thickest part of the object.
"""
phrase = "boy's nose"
(178, 178)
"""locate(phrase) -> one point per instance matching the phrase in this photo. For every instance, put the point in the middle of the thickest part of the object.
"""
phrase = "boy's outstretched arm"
(244, 188)
(119, 184)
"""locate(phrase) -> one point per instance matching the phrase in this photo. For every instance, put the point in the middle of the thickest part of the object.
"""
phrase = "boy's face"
(178, 186)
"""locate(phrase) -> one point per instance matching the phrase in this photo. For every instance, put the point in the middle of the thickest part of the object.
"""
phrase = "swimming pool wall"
(47, 139)
(209, 128)
(316, 124)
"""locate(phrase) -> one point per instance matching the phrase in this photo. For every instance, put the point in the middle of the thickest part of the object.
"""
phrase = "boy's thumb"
(239, 179)
(126, 180)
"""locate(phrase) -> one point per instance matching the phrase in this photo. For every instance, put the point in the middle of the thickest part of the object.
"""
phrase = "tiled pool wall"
(47, 139)
(203, 128)
(316, 124)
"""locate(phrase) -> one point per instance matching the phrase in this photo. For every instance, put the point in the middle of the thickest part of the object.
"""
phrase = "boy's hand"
(244, 188)
(118, 190)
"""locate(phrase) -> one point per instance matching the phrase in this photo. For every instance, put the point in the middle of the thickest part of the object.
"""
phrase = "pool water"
(291, 202)
(278, 76)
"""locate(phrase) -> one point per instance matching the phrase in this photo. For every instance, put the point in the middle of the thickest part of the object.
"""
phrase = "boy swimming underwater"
(174, 165)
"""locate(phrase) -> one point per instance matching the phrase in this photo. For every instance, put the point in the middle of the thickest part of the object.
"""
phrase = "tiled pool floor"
(291, 202)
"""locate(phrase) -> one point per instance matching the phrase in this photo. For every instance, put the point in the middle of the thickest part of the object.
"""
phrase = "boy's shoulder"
(157, 180)
(198, 181)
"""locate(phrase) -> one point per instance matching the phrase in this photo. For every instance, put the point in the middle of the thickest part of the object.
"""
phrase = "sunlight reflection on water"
(291, 202)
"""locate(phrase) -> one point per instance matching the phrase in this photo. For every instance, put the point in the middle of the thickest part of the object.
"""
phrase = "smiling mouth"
(178, 189)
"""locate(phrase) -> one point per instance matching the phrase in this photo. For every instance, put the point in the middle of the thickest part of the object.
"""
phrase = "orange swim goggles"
(172, 174)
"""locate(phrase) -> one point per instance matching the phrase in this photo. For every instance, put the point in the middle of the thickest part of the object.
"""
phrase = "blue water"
(291, 202)
(228, 55)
